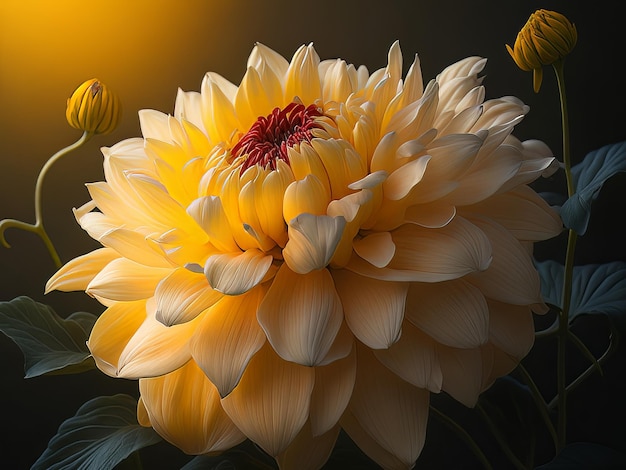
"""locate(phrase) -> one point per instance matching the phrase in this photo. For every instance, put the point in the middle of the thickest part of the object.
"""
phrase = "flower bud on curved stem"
(93, 109)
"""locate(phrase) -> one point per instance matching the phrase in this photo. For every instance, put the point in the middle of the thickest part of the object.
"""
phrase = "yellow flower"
(546, 38)
(93, 108)
(316, 248)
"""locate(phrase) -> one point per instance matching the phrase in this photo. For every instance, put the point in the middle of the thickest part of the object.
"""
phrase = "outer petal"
(182, 296)
(454, 313)
(131, 350)
(333, 388)
(369, 445)
(271, 403)
(432, 255)
(301, 315)
(511, 328)
(308, 452)
(374, 309)
(112, 331)
(227, 337)
(521, 211)
(512, 277)
(78, 273)
(391, 411)
(236, 273)
(462, 373)
(123, 280)
(413, 358)
(312, 241)
(184, 408)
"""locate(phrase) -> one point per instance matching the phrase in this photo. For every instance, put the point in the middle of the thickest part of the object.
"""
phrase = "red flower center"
(269, 137)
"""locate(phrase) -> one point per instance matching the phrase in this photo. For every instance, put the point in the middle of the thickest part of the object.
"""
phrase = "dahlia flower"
(316, 248)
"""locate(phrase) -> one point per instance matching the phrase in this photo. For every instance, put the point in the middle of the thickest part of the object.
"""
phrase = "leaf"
(588, 177)
(586, 455)
(596, 288)
(102, 433)
(50, 344)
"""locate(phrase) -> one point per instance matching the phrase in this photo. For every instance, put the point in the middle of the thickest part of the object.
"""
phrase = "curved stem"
(569, 268)
(38, 227)
(42, 174)
(501, 442)
(464, 435)
(541, 403)
(593, 367)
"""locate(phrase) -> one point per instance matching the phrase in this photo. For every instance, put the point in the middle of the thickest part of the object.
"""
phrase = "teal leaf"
(102, 433)
(588, 177)
(50, 344)
(596, 288)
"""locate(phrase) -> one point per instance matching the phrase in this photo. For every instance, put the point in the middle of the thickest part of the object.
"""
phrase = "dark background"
(145, 50)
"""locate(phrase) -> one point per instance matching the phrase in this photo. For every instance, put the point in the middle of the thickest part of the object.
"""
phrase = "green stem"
(501, 442)
(38, 227)
(592, 368)
(541, 403)
(569, 268)
(471, 443)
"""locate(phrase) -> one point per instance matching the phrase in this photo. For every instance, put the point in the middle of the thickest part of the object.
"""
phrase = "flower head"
(93, 108)
(316, 248)
(546, 38)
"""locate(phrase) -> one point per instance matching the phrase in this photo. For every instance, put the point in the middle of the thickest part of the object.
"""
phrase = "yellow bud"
(93, 108)
(546, 38)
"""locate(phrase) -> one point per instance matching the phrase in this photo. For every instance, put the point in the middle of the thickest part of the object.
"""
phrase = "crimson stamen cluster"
(269, 137)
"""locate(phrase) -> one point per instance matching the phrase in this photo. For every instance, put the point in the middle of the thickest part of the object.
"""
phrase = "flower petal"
(271, 403)
(236, 273)
(302, 325)
(377, 248)
(209, 214)
(307, 451)
(511, 277)
(184, 408)
(511, 328)
(123, 280)
(398, 422)
(462, 371)
(333, 388)
(431, 255)
(454, 313)
(112, 331)
(413, 358)
(227, 337)
(374, 309)
(522, 212)
(182, 296)
(79, 272)
(312, 241)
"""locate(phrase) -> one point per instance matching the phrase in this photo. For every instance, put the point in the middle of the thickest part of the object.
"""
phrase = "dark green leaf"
(50, 344)
(102, 433)
(596, 288)
(589, 176)
(583, 455)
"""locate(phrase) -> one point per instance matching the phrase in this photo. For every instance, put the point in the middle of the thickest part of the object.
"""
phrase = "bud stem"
(569, 269)
(38, 227)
